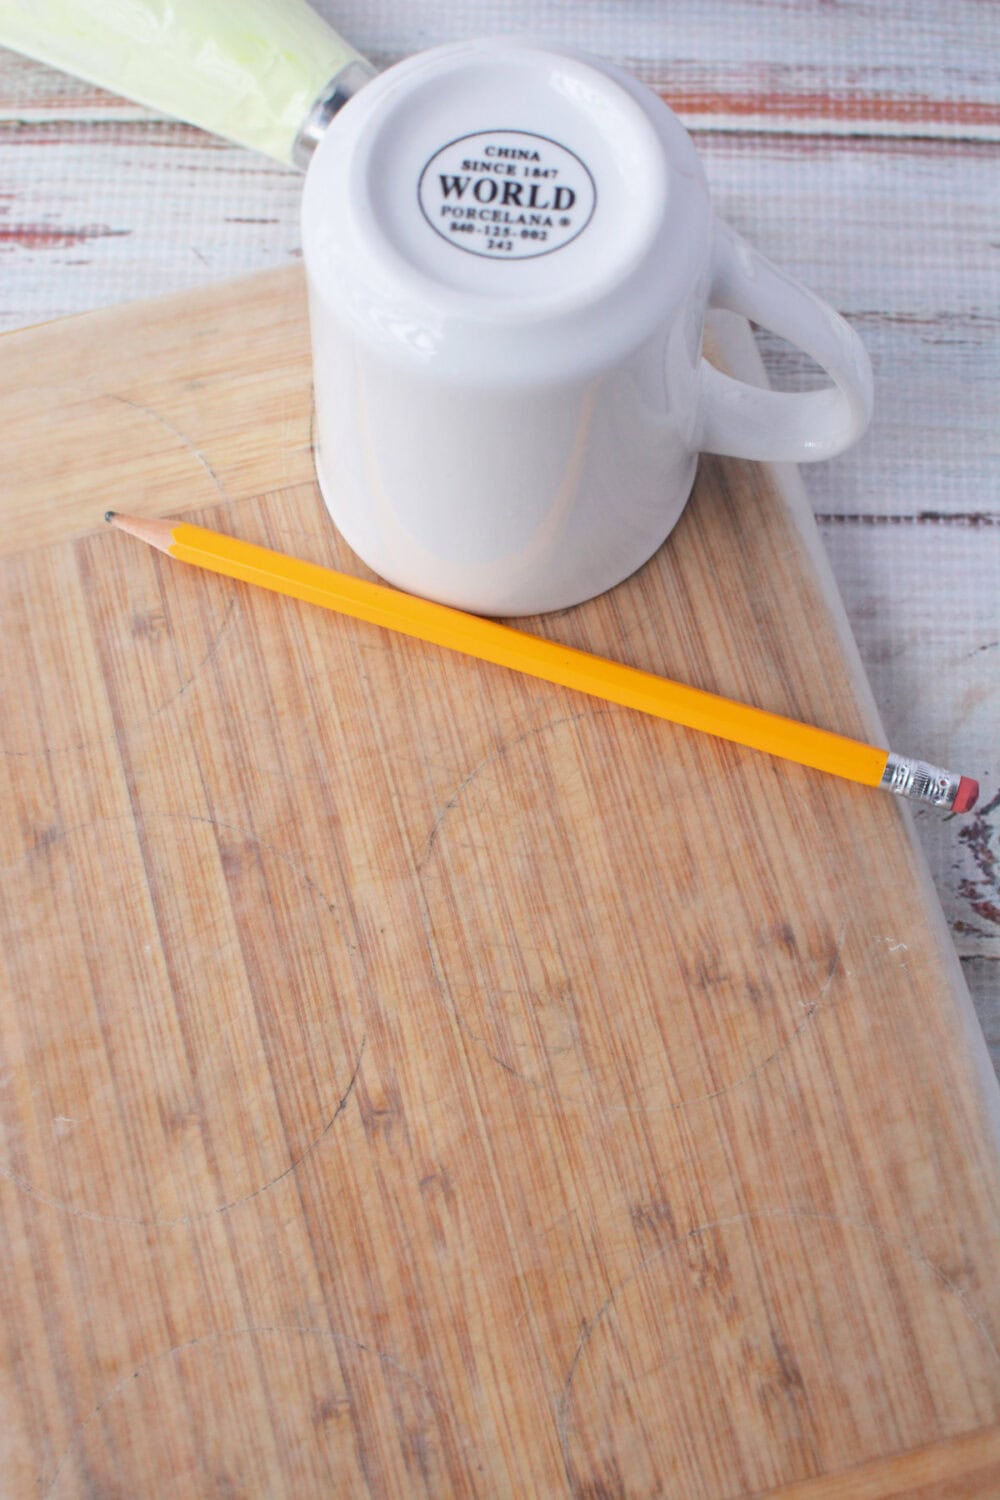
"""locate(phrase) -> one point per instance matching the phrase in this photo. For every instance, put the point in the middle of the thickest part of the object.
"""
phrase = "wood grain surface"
(419, 1080)
(856, 143)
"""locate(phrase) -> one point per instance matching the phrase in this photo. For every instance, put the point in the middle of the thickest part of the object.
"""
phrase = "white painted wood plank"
(923, 600)
(981, 975)
(744, 63)
(93, 215)
(858, 66)
(903, 238)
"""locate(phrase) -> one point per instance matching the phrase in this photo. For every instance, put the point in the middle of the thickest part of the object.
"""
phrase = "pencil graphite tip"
(157, 532)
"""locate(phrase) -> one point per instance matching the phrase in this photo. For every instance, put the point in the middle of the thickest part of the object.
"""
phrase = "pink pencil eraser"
(965, 797)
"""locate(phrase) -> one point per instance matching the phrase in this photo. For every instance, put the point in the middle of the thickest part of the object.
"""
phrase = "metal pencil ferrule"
(915, 778)
(341, 88)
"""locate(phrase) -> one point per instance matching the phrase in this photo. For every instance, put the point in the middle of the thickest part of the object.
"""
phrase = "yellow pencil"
(501, 644)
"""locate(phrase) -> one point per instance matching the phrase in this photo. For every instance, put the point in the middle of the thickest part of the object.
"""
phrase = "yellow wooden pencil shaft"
(501, 644)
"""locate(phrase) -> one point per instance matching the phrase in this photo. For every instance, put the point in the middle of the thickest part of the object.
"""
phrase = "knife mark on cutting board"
(590, 986)
(726, 1336)
(182, 436)
(194, 1018)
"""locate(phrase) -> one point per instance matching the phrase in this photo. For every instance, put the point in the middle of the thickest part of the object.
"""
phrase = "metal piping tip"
(341, 88)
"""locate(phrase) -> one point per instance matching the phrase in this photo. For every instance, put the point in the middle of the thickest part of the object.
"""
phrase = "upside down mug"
(510, 251)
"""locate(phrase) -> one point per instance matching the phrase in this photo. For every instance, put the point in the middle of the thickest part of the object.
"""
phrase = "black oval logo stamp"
(507, 194)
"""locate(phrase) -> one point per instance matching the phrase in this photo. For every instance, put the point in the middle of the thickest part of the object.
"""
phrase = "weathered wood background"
(856, 142)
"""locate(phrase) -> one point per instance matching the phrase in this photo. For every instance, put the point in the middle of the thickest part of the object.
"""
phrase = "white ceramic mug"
(510, 251)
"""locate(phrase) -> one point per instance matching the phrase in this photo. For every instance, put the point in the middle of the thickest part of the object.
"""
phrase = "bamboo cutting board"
(418, 1080)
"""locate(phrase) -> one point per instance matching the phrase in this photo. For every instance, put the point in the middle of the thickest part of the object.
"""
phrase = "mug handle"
(744, 421)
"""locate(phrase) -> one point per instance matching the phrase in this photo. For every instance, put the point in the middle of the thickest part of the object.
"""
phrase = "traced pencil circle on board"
(115, 601)
(186, 1022)
(265, 1411)
(575, 971)
(688, 1376)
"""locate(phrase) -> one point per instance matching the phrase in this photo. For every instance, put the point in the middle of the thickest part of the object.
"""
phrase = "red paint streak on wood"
(983, 893)
(46, 237)
(792, 106)
(778, 144)
(75, 95)
(168, 133)
(693, 96)
(171, 136)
